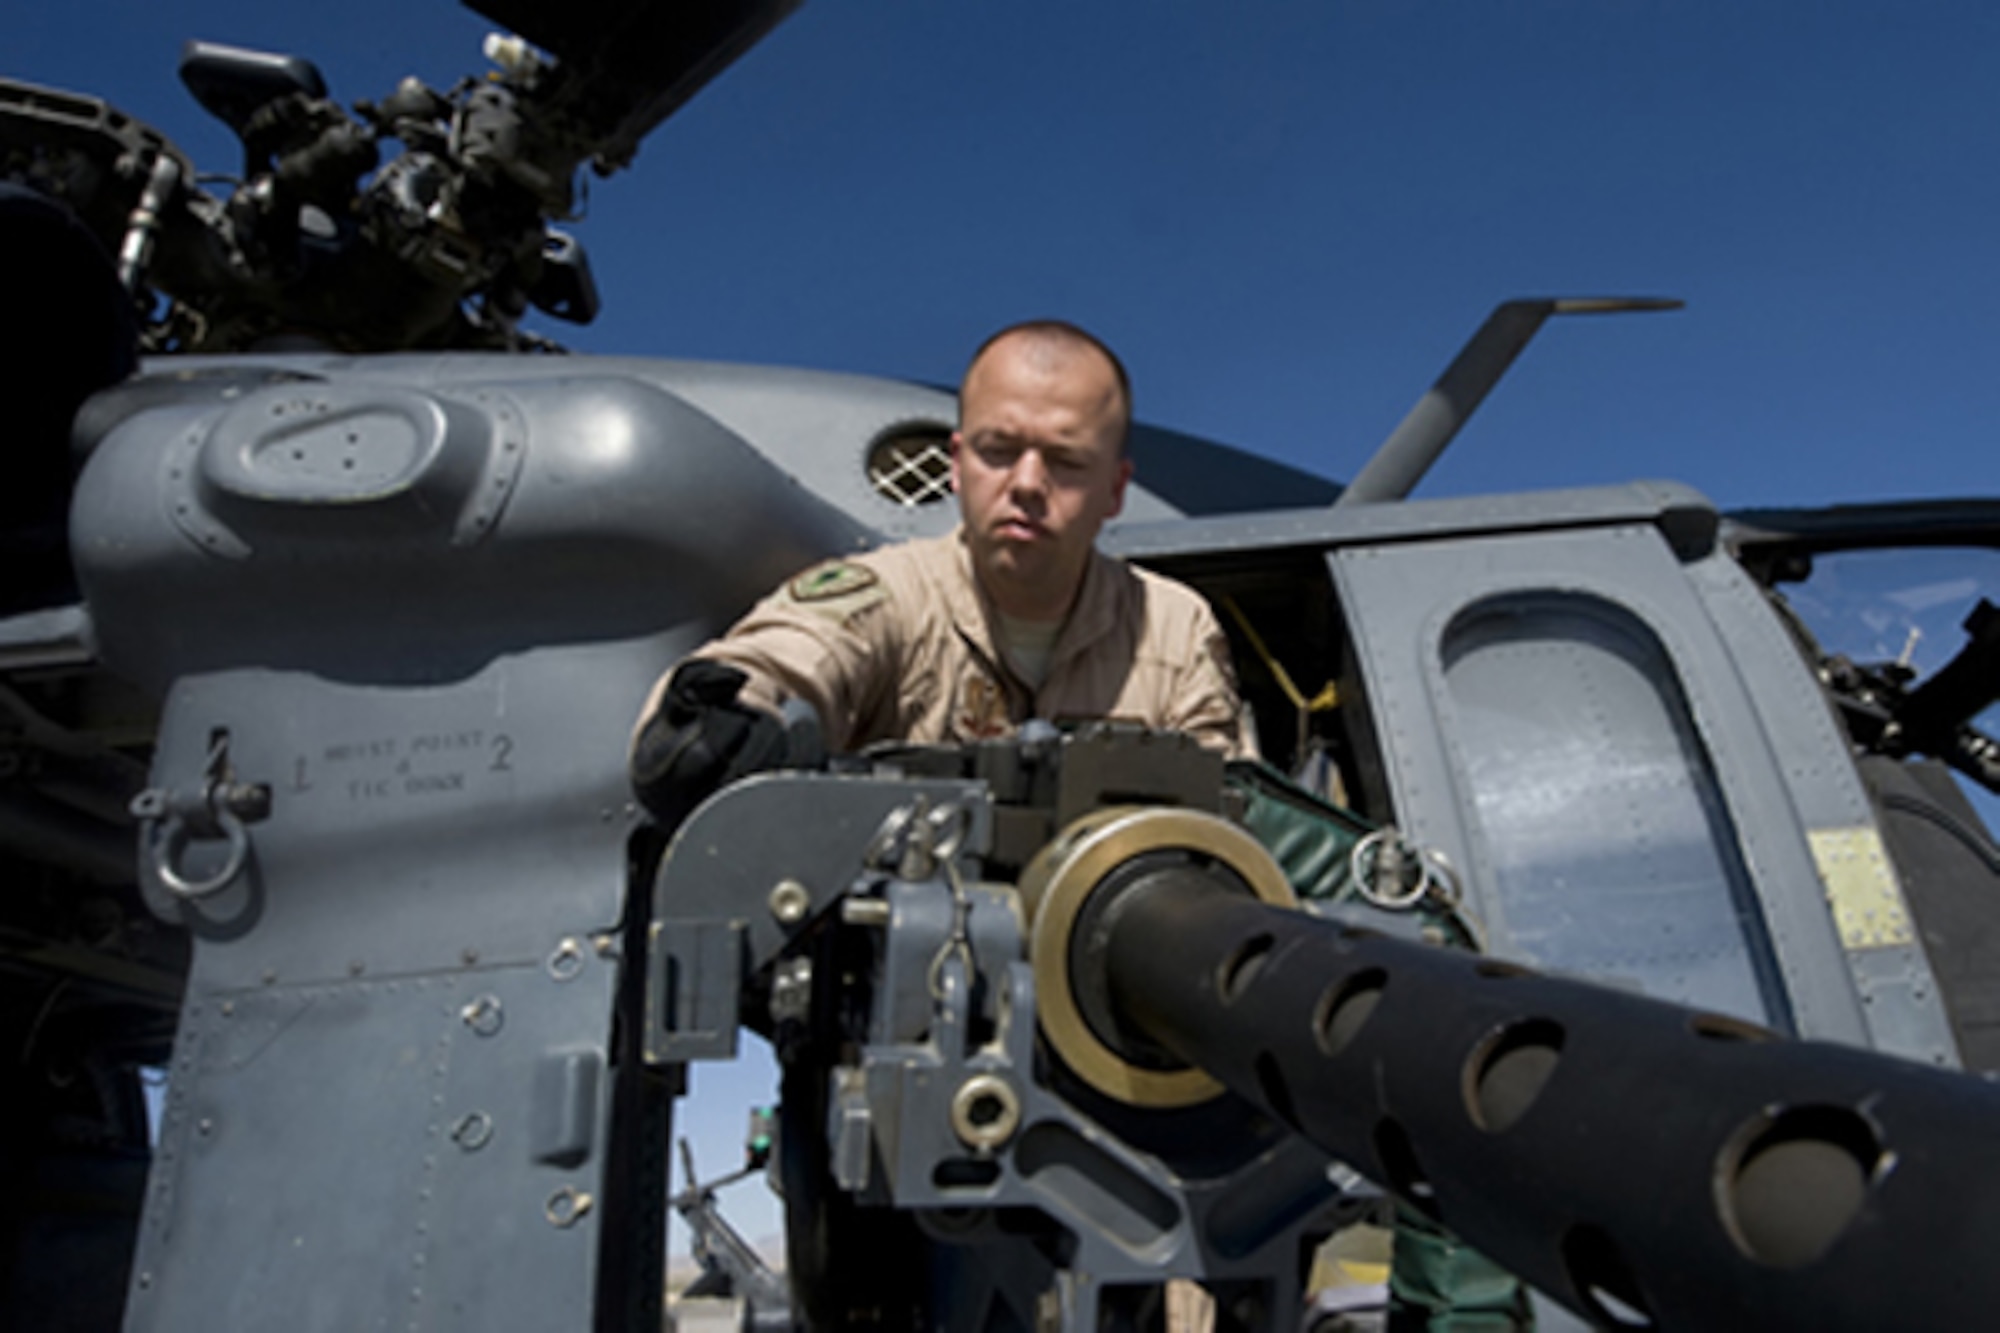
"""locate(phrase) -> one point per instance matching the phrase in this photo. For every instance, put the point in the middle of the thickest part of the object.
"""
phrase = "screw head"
(567, 1206)
(483, 1014)
(473, 1131)
(789, 902)
(567, 960)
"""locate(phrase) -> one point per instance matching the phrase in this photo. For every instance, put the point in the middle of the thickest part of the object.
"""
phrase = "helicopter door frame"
(1793, 804)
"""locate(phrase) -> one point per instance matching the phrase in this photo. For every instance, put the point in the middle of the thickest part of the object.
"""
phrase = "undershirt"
(1028, 644)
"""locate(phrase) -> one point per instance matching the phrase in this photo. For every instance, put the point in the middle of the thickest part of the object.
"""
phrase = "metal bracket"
(694, 971)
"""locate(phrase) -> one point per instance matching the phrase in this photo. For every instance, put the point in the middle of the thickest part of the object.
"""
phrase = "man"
(963, 637)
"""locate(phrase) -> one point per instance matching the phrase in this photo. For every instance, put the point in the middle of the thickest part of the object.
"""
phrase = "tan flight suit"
(901, 644)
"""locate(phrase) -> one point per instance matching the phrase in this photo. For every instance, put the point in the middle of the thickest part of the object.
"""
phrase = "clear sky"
(1288, 215)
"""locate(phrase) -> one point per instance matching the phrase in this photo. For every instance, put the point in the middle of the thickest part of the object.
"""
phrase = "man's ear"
(957, 443)
(1117, 487)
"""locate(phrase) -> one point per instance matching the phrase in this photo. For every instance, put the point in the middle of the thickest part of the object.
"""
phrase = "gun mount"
(884, 947)
(1069, 1037)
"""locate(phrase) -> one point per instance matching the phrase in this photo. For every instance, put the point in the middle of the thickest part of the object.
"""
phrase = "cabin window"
(1612, 850)
(1902, 610)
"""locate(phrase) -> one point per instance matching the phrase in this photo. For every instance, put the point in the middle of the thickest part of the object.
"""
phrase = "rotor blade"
(626, 65)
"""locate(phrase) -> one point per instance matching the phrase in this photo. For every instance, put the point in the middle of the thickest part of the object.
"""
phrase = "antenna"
(1401, 461)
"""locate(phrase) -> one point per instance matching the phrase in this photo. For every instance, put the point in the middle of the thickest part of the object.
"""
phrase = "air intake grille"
(911, 465)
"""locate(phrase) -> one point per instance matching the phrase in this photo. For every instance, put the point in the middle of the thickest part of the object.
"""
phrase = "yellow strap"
(1328, 696)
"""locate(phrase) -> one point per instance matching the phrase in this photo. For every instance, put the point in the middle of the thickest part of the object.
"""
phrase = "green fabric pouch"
(1438, 1284)
(1311, 839)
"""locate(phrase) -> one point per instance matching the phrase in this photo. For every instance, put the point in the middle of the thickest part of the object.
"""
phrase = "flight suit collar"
(1094, 615)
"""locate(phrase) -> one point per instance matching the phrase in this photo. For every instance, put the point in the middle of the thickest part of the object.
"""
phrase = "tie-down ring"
(165, 840)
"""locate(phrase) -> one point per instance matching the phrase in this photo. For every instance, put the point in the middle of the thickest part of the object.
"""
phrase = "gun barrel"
(1647, 1165)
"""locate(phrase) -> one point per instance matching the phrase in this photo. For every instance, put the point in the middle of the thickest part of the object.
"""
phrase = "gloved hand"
(700, 739)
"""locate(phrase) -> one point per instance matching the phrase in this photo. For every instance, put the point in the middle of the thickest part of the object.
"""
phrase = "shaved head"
(1050, 346)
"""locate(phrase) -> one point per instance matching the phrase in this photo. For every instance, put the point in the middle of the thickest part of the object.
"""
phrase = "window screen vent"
(911, 464)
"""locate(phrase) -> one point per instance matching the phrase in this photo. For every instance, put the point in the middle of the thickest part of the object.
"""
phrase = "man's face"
(1037, 468)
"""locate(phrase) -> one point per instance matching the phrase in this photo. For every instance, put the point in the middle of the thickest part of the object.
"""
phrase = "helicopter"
(391, 918)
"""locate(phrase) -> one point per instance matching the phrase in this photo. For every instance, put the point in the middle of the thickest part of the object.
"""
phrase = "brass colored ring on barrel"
(1060, 880)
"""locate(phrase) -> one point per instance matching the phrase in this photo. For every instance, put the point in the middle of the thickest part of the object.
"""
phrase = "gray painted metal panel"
(1901, 1000)
(1687, 520)
(386, 802)
(438, 690)
(58, 637)
(425, 916)
(1401, 602)
(354, 1155)
(203, 542)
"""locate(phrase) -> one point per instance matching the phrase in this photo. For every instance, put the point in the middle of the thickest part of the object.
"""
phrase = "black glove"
(701, 739)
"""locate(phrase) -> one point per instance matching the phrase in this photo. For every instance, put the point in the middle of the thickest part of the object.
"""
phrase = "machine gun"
(1055, 1030)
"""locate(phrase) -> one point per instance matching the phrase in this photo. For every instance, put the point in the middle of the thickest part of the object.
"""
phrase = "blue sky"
(1287, 216)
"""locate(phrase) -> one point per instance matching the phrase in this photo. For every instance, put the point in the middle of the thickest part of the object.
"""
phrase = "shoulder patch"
(837, 578)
